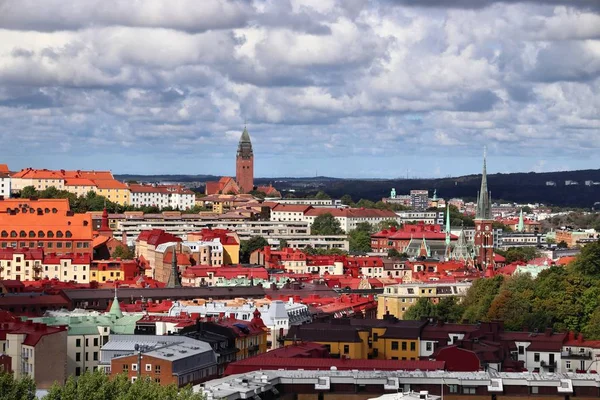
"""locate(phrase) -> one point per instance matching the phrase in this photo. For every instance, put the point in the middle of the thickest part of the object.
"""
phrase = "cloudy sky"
(347, 88)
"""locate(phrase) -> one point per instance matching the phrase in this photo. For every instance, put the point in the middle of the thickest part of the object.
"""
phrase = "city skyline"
(333, 88)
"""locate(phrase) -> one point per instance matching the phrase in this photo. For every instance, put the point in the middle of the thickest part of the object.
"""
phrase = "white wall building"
(161, 196)
(5, 183)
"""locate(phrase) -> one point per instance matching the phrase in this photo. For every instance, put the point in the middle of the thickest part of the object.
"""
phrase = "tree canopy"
(563, 298)
(360, 237)
(326, 224)
(123, 252)
(99, 386)
(247, 247)
(522, 254)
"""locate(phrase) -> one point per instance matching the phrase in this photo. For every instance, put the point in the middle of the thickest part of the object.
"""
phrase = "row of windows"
(32, 234)
(49, 245)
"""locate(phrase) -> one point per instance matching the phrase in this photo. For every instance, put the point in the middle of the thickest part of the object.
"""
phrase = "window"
(375, 337)
(453, 388)
(96, 342)
(149, 367)
(50, 234)
(429, 346)
(536, 357)
(535, 390)
(134, 367)
(157, 369)
(403, 346)
(468, 390)
(413, 346)
(78, 356)
(41, 234)
(394, 345)
(521, 349)
(346, 349)
(77, 370)
(77, 342)
(95, 356)
(568, 364)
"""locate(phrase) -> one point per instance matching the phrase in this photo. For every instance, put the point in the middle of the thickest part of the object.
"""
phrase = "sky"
(344, 88)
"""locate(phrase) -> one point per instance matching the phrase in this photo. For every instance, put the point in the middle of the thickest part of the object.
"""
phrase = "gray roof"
(167, 293)
(165, 347)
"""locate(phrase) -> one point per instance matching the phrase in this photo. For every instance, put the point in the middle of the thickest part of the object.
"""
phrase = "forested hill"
(518, 187)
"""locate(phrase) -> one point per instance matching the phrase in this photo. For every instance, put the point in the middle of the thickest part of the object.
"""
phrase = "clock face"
(487, 228)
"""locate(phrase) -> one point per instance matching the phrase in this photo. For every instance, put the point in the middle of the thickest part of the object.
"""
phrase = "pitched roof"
(4, 169)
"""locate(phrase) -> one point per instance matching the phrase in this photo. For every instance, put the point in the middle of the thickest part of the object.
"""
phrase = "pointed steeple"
(521, 226)
(115, 307)
(173, 281)
(245, 145)
(448, 225)
(484, 201)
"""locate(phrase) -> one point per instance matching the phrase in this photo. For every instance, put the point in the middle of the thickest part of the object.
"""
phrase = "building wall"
(5, 186)
(39, 184)
(119, 196)
(244, 173)
(159, 370)
(84, 351)
(80, 190)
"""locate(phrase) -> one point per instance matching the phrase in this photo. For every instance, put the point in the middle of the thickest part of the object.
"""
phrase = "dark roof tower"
(484, 200)
(173, 281)
(245, 145)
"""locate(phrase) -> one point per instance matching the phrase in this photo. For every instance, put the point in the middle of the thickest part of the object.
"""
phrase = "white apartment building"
(161, 196)
(5, 181)
(426, 217)
(278, 316)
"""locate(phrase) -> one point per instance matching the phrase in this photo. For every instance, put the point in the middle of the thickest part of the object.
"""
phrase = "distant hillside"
(518, 187)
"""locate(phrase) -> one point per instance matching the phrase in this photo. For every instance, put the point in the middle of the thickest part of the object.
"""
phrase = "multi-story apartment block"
(161, 196)
(5, 181)
(32, 264)
(419, 199)
(88, 332)
(426, 217)
(48, 224)
(397, 299)
(348, 218)
(34, 349)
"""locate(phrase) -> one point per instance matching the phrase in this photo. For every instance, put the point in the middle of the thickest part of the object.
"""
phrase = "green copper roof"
(115, 308)
(521, 226)
(92, 324)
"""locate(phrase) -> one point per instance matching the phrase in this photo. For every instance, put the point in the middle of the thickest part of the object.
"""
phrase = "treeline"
(95, 386)
(562, 298)
(92, 201)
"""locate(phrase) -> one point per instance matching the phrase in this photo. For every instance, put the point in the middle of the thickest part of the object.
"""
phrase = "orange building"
(46, 223)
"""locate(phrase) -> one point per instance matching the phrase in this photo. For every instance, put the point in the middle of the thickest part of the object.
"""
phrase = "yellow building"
(397, 299)
(114, 191)
(387, 339)
(228, 239)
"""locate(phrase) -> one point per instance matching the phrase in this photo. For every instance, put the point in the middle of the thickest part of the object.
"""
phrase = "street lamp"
(140, 348)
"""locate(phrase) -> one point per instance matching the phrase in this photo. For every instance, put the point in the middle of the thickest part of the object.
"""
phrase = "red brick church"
(244, 173)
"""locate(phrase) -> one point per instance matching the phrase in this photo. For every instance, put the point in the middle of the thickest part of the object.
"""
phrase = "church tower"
(484, 233)
(244, 163)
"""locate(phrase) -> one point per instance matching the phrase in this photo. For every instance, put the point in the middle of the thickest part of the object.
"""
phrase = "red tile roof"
(4, 169)
(156, 237)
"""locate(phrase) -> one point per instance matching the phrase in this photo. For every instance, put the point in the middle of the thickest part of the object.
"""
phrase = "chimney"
(232, 316)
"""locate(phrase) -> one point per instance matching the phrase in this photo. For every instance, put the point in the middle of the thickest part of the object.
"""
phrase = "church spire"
(173, 281)
(521, 226)
(448, 225)
(245, 145)
(484, 201)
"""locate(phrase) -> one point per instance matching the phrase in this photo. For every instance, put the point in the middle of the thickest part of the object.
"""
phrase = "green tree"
(283, 244)
(321, 195)
(99, 386)
(123, 252)
(258, 194)
(247, 247)
(11, 388)
(326, 224)
(393, 253)
(359, 240)
(562, 245)
(387, 224)
(526, 210)
(28, 192)
(363, 203)
(588, 261)
(422, 308)
(347, 200)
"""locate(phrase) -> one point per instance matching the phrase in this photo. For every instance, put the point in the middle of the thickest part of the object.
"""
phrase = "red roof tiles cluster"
(156, 237)
(33, 331)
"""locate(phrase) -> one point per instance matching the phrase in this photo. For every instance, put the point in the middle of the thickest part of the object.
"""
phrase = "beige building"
(36, 350)
(397, 299)
(31, 264)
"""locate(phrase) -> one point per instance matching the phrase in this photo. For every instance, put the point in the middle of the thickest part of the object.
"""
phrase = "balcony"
(546, 364)
(574, 355)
